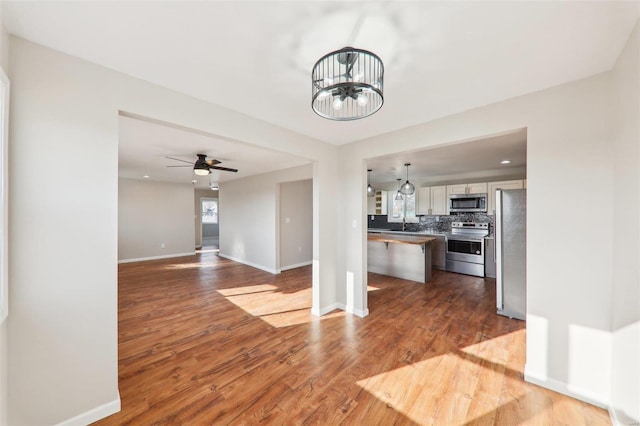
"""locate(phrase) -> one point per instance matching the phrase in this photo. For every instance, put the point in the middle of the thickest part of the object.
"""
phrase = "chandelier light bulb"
(337, 104)
(363, 100)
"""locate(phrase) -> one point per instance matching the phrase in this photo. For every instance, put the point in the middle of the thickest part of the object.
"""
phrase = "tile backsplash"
(431, 223)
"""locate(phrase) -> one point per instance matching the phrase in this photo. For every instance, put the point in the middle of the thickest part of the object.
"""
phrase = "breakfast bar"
(402, 256)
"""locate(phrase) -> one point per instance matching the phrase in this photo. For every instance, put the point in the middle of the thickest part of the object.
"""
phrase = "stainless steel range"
(465, 248)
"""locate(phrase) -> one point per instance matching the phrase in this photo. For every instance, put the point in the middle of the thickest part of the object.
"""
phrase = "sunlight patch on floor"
(372, 288)
(277, 308)
(235, 291)
(194, 265)
(300, 316)
(453, 388)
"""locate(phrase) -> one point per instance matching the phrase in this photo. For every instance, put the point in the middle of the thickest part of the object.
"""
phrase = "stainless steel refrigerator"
(511, 252)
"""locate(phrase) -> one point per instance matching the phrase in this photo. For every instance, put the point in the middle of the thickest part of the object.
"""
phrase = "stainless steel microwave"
(468, 203)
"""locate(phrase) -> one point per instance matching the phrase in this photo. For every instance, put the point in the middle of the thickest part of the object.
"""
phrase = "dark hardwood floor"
(204, 340)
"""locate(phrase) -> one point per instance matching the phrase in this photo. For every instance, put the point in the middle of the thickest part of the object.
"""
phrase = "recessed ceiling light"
(146, 176)
(505, 162)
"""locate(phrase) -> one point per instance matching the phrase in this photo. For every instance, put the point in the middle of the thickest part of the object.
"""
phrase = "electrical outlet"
(287, 220)
(161, 245)
(299, 248)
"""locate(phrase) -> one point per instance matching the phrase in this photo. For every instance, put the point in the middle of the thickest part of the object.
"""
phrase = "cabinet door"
(439, 200)
(456, 189)
(423, 202)
(494, 186)
(371, 205)
(438, 253)
(489, 258)
(477, 188)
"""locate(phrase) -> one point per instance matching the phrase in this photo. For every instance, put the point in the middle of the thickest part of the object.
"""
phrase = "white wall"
(296, 223)
(4, 63)
(250, 217)
(625, 388)
(62, 331)
(155, 219)
(63, 241)
(568, 269)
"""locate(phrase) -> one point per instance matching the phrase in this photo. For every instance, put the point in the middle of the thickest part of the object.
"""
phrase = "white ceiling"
(256, 57)
(476, 159)
(143, 148)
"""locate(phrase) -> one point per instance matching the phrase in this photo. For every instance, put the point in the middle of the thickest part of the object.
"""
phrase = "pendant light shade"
(347, 84)
(371, 191)
(407, 188)
(399, 196)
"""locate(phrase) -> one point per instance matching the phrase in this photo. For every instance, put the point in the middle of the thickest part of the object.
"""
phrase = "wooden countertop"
(400, 239)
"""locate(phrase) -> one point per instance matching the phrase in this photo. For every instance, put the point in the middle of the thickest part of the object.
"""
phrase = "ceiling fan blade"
(225, 169)
(190, 165)
(213, 162)
(177, 159)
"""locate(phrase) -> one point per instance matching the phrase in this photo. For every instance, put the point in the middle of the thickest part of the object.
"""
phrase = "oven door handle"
(471, 240)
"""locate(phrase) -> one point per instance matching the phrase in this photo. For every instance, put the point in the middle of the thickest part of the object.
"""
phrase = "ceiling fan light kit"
(347, 84)
(202, 166)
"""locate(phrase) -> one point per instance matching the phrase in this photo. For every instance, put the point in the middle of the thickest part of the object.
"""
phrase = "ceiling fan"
(202, 166)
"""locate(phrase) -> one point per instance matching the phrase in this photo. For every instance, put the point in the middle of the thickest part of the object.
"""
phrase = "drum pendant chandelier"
(347, 84)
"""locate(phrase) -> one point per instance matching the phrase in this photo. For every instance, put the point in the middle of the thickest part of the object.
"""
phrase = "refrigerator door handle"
(498, 250)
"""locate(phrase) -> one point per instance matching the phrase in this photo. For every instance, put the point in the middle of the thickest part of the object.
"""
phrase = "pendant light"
(407, 188)
(371, 191)
(399, 196)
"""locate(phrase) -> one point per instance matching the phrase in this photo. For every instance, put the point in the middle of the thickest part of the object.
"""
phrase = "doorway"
(209, 223)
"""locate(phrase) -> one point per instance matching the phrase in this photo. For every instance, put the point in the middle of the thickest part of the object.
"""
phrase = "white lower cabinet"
(489, 258)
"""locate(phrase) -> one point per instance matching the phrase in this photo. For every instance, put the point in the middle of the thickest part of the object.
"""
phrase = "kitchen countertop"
(434, 233)
(401, 239)
(389, 231)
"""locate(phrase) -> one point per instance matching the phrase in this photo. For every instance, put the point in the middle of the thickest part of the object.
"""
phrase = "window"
(404, 208)
(209, 210)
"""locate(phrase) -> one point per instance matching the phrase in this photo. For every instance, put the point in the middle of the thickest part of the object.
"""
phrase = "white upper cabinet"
(477, 188)
(467, 188)
(439, 200)
(424, 201)
(371, 205)
(432, 200)
(457, 189)
(494, 186)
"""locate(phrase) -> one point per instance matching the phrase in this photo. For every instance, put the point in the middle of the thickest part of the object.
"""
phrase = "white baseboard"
(613, 417)
(297, 265)
(253, 265)
(325, 310)
(163, 256)
(619, 418)
(358, 312)
(341, 306)
(93, 415)
(564, 388)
